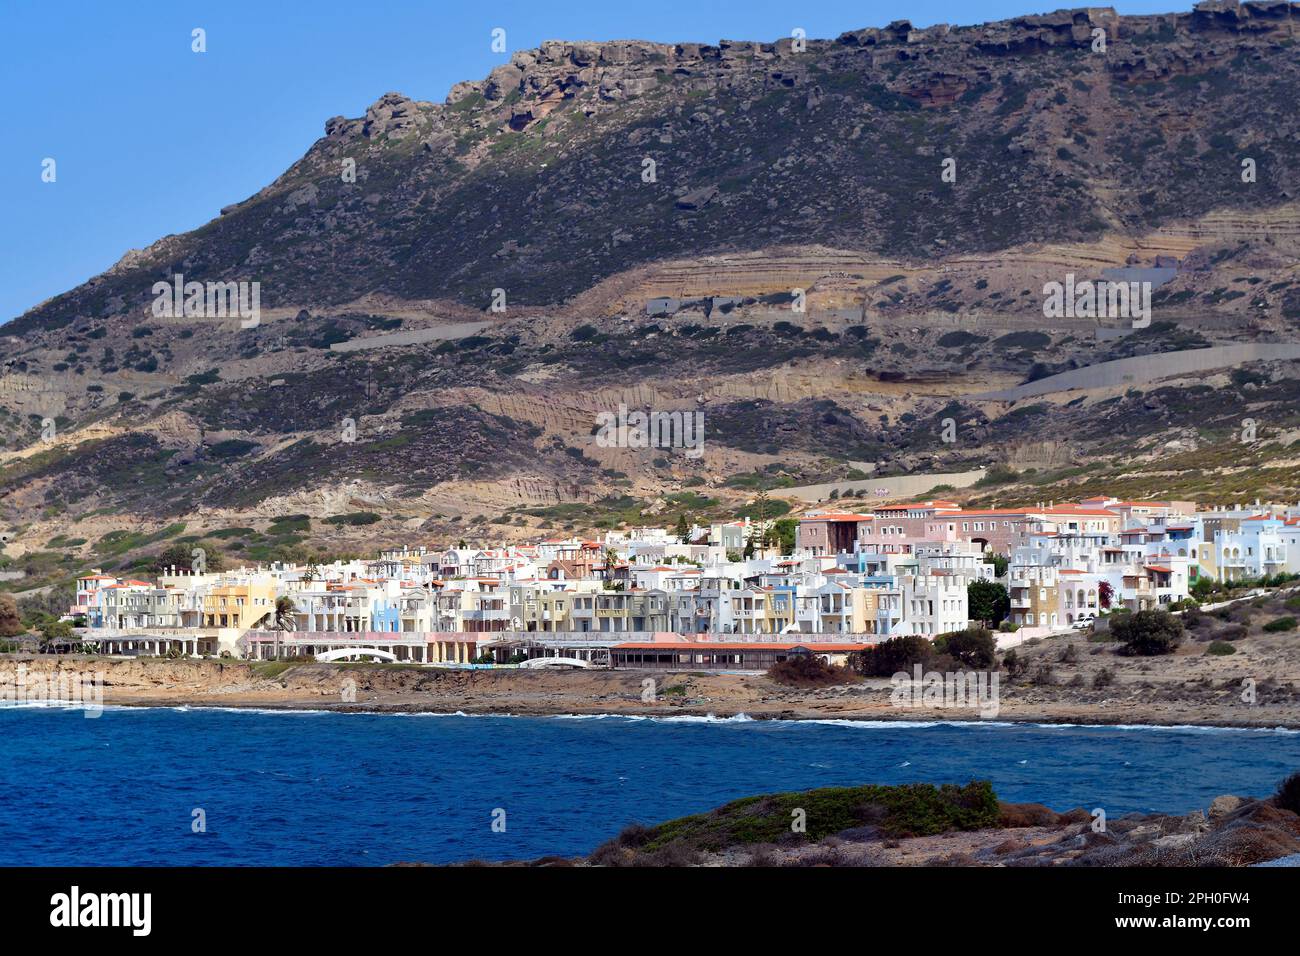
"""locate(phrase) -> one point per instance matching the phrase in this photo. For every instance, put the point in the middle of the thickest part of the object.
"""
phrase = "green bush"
(917, 809)
(353, 518)
(1147, 633)
(894, 655)
(809, 670)
(1281, 624)
(997, 475)
(1220, 649)
(988, 602)
(974, 647)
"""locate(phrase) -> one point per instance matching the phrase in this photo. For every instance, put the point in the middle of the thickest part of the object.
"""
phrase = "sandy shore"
(1060, 686)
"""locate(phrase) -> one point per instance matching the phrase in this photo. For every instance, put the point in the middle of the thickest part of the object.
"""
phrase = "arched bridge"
(540, 662)
(348, 653)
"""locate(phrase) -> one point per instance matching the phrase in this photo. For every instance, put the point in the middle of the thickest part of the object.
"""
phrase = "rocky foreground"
(921, 825)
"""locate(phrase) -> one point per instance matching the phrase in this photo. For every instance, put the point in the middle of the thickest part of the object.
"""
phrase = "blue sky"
(150, 138)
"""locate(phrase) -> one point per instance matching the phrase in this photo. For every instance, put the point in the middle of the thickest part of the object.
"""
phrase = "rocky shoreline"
(921, 825)
(1187, 689)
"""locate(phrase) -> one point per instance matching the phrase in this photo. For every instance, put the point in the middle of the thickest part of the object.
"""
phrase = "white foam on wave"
(49, 705)
(700, 719)
(1181, 728)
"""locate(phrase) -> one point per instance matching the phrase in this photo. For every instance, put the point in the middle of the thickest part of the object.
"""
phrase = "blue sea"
(132, 786)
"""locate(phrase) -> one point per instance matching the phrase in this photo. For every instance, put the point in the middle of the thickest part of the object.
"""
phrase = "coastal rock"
(1224, 805)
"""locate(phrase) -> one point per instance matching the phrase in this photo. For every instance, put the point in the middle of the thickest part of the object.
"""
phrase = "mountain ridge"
(776, 171)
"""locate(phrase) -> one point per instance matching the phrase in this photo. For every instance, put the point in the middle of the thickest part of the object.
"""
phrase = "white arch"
(540, 662)
(343, 653)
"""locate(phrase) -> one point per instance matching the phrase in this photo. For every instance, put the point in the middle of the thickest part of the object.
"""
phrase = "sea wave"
(740, 719)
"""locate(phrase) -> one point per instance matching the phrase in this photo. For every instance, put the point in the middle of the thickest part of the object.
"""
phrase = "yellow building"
(1205, 561)
(763, 610)
(238, 605)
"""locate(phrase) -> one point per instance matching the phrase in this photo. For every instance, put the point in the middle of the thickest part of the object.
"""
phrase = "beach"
(1061, 686)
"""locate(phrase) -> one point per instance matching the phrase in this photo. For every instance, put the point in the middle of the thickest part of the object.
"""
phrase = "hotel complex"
(714, 598)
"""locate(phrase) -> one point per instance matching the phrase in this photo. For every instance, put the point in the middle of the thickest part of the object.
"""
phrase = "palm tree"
(285, 619)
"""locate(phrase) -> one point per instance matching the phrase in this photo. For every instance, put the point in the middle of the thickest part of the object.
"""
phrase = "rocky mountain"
(828, 247)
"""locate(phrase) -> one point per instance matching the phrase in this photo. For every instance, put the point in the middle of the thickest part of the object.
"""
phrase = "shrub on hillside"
(1220, 649)
(1231, 632)
(1147, 633)
(354, 518)
(1281, 624)
(1014, 664)
(11, 623)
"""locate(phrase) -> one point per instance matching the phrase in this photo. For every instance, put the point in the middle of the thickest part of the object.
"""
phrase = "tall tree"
(783, 534)
(761, 534)
(181, 557)
(683, 529)
(987, 601)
